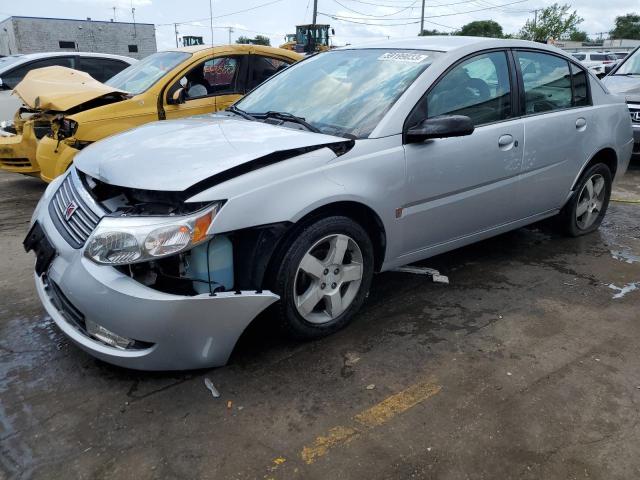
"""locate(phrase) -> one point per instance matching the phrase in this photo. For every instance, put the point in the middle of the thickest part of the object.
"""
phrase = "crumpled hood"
(60, 89)
(623, 85)
(173, 155)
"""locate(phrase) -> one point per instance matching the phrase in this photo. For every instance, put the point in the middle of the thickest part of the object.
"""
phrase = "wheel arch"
(360, 213)
(605, 155)
(268, 243)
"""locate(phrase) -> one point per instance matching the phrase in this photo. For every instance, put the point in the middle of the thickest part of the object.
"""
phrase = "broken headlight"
(66, 128)
(125, 240)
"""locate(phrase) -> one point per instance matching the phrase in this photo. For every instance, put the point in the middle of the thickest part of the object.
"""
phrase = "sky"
(274, 18)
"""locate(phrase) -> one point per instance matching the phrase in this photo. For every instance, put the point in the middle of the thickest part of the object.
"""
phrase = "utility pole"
(133, 15)
(315, 11)
(175, 29)
(422, 20)
(114, 13)
(211, 19)
(230, 32)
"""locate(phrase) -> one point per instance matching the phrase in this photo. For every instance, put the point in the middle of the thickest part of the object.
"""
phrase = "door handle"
(581, 124)
(505, 142)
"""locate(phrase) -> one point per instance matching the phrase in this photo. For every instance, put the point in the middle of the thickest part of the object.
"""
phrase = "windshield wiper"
(242, 113)
(627, 74)
(287, 117)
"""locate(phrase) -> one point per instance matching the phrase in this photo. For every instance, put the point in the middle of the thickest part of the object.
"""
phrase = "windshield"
(139, 77)
(342, 92)
(631, 65)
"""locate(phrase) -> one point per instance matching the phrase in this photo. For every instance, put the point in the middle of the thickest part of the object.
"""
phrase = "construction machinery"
(309, 38)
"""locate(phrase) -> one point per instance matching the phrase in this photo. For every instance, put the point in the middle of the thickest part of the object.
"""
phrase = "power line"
(369, 15)
(225, 15)
(348, 18)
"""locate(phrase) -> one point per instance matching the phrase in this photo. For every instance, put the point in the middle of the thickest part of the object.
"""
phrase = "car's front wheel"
(587, 207)
(324, 277)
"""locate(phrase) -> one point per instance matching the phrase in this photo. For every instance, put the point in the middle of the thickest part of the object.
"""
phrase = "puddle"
(622, 291)
(625, 256)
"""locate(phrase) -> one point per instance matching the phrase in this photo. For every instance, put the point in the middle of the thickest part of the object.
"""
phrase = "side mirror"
(444, 126)
(177, 97)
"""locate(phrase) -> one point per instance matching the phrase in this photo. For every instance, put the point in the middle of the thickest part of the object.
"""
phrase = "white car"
(597, 62)
(101, 66)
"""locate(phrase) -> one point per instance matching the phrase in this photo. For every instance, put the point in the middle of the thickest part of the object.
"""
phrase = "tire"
(573, 222)
(298, 289)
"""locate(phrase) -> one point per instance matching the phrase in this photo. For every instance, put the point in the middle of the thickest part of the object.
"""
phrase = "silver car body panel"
(124, 159)
(429, 198)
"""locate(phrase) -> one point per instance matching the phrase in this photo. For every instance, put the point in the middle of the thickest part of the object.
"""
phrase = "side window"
(547, 82)
(217, 76)
(262, 68)
(102, 69)
(478, 88)
(15, 76)
(580, 90)
(222, 74)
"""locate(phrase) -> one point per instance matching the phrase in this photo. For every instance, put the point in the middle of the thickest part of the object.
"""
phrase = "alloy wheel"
(590, 201)
(328, 278)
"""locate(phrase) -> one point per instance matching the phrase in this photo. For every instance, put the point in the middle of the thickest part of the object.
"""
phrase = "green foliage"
(430, 33)
(579, 36)
(258, 40)
(555, 21)
(482, 28)
(627, 26)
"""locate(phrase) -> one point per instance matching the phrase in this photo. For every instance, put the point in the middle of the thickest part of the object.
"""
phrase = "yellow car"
(66, 110)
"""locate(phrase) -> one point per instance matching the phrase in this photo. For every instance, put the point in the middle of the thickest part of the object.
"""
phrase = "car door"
(557, 118)
(461, 186)
(206, 84)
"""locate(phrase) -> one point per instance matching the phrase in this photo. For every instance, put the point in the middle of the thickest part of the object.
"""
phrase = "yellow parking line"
(372, 417)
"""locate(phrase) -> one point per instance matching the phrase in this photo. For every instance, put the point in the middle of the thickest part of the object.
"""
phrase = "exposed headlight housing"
(66, 128)
(126, 240)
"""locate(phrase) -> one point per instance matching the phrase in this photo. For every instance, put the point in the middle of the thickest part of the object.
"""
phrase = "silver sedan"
(161, 244)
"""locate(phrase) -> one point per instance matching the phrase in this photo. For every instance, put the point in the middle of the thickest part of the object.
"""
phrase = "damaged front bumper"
(54, 158)
(18, 151)
(165, 331)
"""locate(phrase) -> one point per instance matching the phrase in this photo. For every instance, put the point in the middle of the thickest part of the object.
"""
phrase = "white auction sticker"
(403, 57)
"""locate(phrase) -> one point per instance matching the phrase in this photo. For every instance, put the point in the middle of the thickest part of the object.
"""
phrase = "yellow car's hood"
(61, 88)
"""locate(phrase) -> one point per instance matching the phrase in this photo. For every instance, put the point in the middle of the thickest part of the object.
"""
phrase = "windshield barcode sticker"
(403, 57)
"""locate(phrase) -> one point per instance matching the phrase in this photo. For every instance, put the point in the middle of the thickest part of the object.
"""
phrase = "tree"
(258, 40)
(627, 26)
(482, 28)
(430, 33)
(579, 36)
(555, 21)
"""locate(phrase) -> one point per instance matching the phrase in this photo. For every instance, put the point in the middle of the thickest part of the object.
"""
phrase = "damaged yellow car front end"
(47, 93)
(66, 110)
(18, 149)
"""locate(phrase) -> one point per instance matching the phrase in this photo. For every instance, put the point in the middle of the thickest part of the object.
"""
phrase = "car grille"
(72, 217)
(635, 114)
(15, 162)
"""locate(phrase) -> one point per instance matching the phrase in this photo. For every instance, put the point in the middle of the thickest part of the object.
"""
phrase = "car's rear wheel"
(323, 277)
(587, 207)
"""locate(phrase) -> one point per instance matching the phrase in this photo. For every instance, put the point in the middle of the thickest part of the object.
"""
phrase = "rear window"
(579, 56)
(598, 57)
